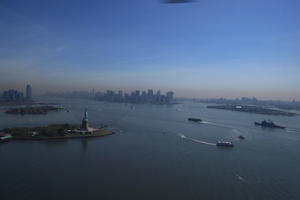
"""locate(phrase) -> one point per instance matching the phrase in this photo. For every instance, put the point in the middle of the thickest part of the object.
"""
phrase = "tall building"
(158, 97)
(150, 92)
(85, 121)
(13, 95)
(158, 93)
(170, 96)
(150, 96)
(28, 92)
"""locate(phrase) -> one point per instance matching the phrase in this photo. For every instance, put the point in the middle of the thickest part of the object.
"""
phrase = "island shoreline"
(61, 137)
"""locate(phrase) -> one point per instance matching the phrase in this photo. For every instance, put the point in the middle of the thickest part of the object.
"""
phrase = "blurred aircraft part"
(177, 1)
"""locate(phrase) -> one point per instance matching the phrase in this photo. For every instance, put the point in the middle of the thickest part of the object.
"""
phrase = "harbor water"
(156, 153)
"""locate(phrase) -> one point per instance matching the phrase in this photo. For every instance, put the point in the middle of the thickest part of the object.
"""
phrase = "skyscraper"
(28, 92)
(170, 96)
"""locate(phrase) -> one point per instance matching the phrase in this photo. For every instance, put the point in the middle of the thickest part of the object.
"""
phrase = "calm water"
(156, 154)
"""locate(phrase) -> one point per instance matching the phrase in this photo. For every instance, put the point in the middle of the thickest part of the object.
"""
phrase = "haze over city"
(202, 49)
(150, 99)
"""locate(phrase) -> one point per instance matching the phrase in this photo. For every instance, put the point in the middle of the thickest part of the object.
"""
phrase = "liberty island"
(54, 131)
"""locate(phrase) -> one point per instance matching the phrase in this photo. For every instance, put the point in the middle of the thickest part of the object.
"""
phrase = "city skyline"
(199, 50)
(215, 94)
(12, 94)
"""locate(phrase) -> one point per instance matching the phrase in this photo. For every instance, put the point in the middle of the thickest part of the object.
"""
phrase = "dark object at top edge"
(178, 1)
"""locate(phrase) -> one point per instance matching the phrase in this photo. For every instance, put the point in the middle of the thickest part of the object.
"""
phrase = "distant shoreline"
(253, 109)
(23, 103)
(18, 103)
(33, 110)
(64, 137)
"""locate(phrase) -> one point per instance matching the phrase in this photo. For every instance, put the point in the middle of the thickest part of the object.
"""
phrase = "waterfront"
(156, 154)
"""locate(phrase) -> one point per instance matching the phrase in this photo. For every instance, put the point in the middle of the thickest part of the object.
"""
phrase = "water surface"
(156, 154)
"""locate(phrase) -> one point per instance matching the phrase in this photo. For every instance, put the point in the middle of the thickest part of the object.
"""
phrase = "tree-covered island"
(54, 131)
(34, 110)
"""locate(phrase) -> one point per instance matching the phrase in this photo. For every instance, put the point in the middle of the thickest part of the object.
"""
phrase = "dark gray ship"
(241, 137)
(194, 119)
(268, 124)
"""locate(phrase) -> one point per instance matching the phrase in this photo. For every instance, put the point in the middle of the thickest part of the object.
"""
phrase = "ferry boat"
(5, 138)
(224, 144)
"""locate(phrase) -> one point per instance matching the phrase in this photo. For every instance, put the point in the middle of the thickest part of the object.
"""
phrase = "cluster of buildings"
(136, 97)
(14, 95)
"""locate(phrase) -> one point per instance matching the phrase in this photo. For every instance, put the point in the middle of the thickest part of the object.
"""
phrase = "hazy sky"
(209, 48)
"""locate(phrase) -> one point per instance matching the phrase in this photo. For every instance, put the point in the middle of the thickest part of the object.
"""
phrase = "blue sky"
(209, 48)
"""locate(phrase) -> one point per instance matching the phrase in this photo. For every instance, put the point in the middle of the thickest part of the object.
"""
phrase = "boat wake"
(292, 130)
(235, 130)
(115, 129)
(218, 124)
(241, 178)
(211, 123)
(195, 140)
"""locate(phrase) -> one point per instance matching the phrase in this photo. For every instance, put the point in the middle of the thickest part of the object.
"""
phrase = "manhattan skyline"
(202, 49)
